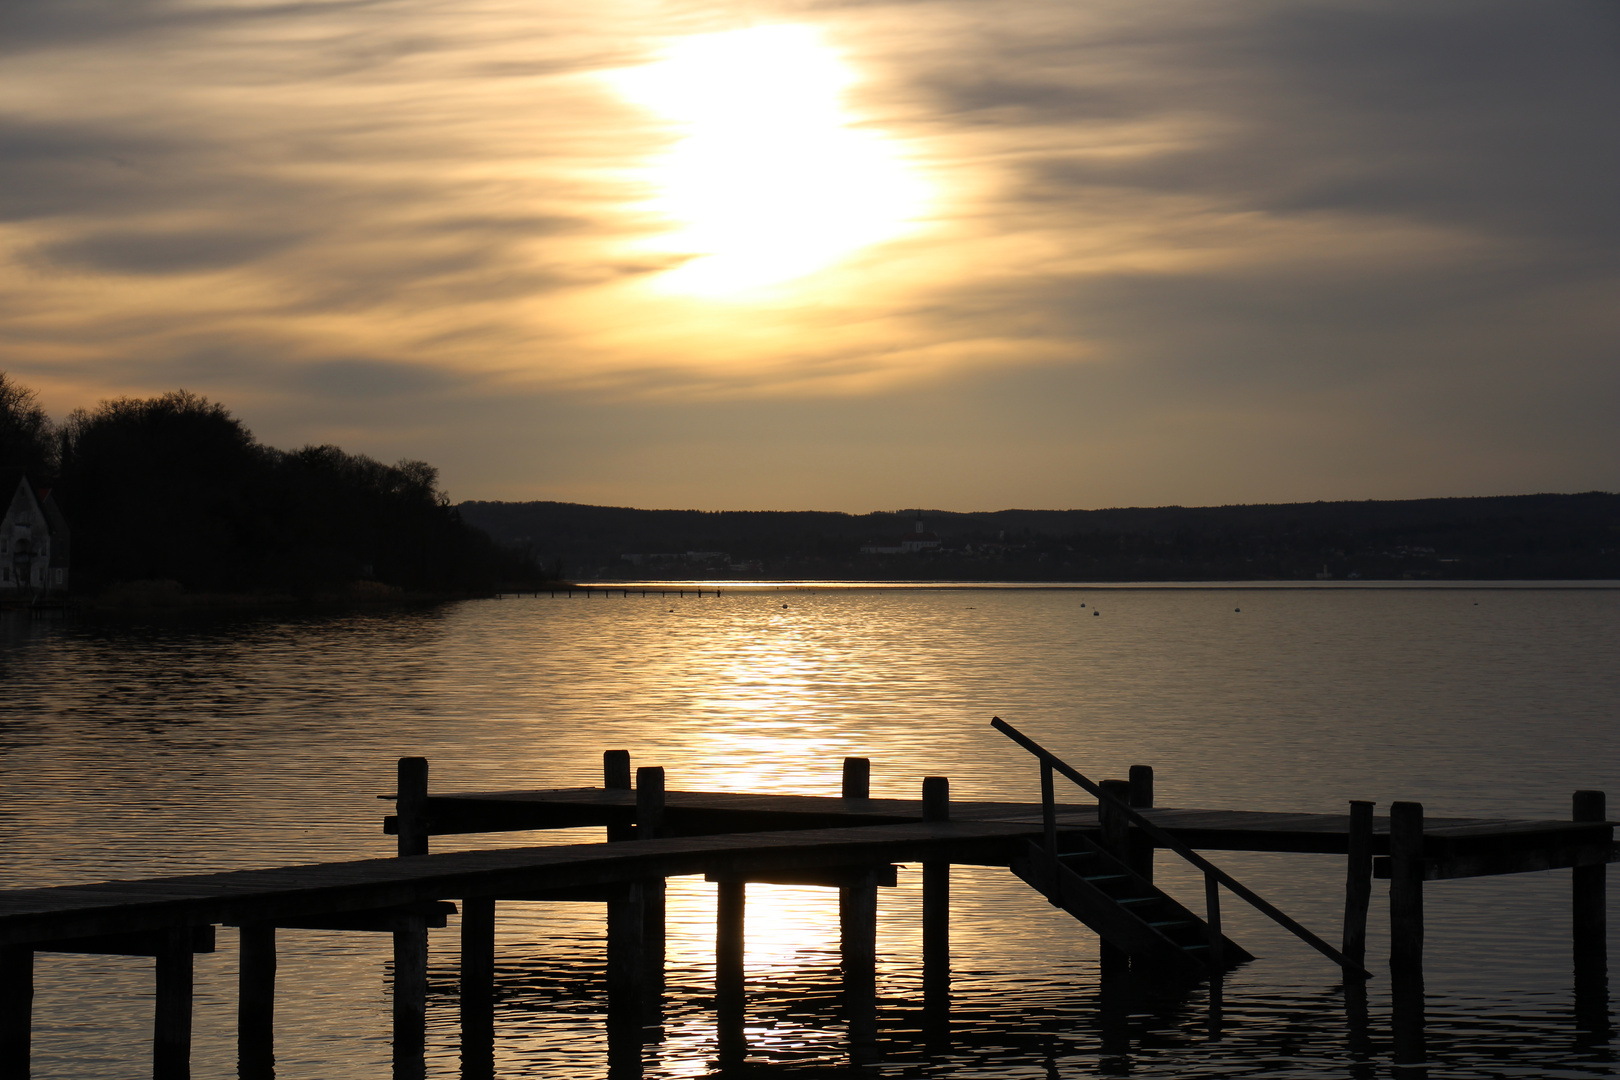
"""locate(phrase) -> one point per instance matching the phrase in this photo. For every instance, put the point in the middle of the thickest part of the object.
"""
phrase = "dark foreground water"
(148, 746)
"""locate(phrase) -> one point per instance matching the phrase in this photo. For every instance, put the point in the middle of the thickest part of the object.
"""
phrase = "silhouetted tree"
(26, 434)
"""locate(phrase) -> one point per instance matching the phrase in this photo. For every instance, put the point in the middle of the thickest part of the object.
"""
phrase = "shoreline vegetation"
(172, 503)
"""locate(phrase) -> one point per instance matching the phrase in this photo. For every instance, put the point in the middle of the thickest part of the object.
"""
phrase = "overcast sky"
(837, 255)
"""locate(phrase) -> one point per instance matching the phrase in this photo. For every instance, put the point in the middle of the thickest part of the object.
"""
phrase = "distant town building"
(919, 540)
(33, 539)
(685, 558)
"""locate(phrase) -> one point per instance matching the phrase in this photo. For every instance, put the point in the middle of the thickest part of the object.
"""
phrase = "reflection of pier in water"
(1094, 861)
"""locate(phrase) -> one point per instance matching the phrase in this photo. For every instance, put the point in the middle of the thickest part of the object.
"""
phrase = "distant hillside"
(1510, 537)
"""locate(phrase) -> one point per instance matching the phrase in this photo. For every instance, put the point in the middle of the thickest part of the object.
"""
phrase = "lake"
(160, 744)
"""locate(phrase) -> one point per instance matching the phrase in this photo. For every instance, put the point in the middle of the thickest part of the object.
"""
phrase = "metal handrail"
(1164, 838)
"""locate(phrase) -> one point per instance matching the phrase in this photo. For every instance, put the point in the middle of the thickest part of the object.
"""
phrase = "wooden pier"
(1094, 860)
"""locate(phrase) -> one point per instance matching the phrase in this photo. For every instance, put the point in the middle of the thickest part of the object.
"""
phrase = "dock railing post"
(1406, 930)
(1358, 882)
(1140, 797)
(411, 942)
(650, 825)
(16, 1011)
(936, 915)
(410, 806)
(1590, 932)
(256, 1003)
(171, 1027)
(1048, 810)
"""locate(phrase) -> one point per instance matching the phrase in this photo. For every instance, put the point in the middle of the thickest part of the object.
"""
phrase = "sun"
(770, 179)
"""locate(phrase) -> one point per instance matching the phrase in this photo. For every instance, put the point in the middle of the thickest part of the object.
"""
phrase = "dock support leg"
(650, 824)
(857, 910)
(729, 997)
(1590, 930)
(256, 1003)
(410, 1000)
(478, 988)
(1406, 930)
(1115, 838)
(936, 930)
(626, 979)
(1139, 793)
(16, 1011)
(1358, 882)
(171, 1027)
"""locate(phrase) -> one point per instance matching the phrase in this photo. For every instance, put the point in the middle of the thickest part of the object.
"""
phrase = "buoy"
(1096, 613)
(1237, 609)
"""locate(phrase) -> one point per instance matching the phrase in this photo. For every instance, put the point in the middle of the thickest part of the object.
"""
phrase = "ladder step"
(1104, 877)
(1171, 922)
(1191, 948)
(1139, 900)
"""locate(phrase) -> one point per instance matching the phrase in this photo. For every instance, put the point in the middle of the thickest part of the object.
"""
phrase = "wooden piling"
(256, 1003)
(16, 1011)
(729, 996)
(616, 777)
(1139, 793)
(626, 965)
(1114, 830)
(410, 806)
(410, 998)
(171, 1026)
(857, 778)
(936, 919)
(1589, 888)
(477, 988)
(857, 908)
(650, 825)
(1212, 919)
(1406, 931)
(1358, 882)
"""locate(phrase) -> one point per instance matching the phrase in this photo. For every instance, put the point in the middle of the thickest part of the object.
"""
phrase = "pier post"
(1115, 839)
(410, 807)
(857, 778)
(857, 926)
(1358, 882)
(626, 975)
(256, 1003)
(410, 998)
(650, 825)
(477, 987)
(730, 909)
(936, 918)
(171, 1026)
(616, 777)
(1406, 930)
(16, 1011)
(1590, 937)
(1139, 794)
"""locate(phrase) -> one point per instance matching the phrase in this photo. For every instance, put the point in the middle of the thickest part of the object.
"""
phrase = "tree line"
(175, 488)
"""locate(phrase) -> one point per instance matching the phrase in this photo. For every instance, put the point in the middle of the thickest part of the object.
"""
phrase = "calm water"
(162, 745)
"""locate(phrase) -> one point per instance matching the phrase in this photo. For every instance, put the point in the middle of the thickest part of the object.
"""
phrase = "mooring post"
(171, 1027)
(730, 909)
(410, 998)
(16, 1011)
(477, 987)
(616, 777)
(626, 969)
(650, 825)
(1406, 930)
(256, 1003)
(410, 806)
(1114, 829)
(1590, 937)
(936, 914)
(857, 778)
(1358, 882)
(1139, 794)
(1212, 920)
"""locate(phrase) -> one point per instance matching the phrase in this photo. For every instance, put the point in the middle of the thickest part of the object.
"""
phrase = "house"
(34, 541)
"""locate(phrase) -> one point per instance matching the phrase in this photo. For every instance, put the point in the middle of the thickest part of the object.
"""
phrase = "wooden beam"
(147, 943)
(1358, 882)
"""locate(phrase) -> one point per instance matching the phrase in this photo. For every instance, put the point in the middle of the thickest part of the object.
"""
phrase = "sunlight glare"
(769, 180)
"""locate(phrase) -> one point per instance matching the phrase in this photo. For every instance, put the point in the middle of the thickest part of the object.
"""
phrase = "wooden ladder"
(1125, 909)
